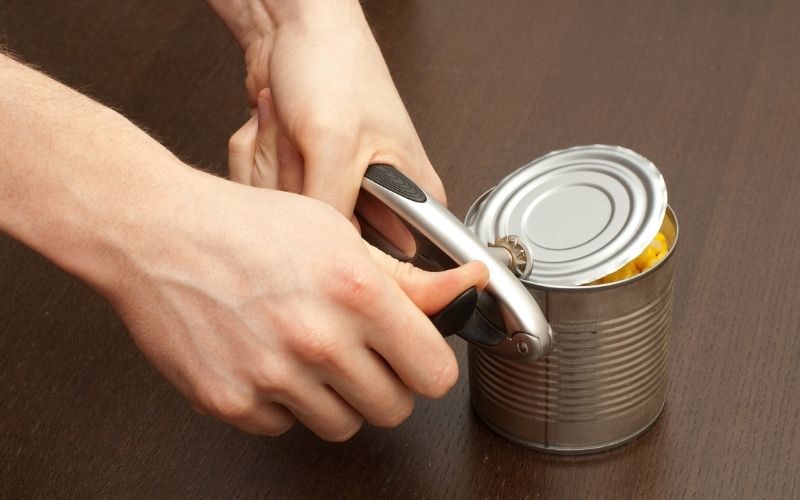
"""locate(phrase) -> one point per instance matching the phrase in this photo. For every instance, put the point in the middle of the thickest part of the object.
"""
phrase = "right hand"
(263, 307)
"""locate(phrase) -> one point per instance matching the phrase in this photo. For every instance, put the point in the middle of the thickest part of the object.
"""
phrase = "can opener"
(520, 332)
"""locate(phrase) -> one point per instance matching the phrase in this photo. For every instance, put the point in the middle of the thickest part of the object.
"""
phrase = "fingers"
(278, 164)
(253, 153)
(410, 344)
(431, 291)
(384, 319)
(269, 419)
(323, 411)
(368, 385)
(357, 386)
(244, 410)
(406, 338)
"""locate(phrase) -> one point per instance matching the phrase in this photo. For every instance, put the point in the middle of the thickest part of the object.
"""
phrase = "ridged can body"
(604, 382)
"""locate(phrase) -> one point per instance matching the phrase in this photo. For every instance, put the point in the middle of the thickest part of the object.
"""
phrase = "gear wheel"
(521, 262)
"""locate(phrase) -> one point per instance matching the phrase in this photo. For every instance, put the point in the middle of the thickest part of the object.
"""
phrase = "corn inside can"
(604, 382)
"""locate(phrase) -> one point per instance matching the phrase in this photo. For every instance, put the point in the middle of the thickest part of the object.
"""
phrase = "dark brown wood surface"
(709, 90)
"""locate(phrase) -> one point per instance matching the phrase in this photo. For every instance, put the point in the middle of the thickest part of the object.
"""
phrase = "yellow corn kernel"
(624, 272)
(659, 244)
(655, 251)
(646, 258)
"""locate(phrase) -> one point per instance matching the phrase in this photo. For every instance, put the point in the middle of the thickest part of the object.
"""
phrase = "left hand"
(325, 106)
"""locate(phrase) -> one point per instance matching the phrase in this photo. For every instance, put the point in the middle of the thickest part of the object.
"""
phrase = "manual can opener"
(520, 332)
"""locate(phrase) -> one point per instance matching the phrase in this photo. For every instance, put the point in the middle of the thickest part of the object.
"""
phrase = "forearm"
(78, 182)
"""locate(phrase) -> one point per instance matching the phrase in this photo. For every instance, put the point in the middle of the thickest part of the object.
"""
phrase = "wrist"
(77, 180)
(294, 12)
(131, 234)
(99, 229)
(254, 22)
(110, 243)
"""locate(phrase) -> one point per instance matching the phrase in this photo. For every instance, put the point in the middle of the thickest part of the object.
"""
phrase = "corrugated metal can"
(604, 381)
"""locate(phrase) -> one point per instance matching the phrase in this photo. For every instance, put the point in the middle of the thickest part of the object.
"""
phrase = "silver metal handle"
(528, 335)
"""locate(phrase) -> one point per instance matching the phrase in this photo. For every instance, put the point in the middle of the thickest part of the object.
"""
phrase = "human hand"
(326, 107)
(262, 306)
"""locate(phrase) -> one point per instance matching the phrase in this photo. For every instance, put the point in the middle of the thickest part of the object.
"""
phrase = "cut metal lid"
(584, 212)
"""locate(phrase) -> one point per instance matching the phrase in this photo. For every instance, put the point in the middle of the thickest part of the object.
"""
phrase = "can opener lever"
(525, 335)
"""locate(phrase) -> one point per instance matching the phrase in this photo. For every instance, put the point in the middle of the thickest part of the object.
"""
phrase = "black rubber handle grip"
(455, 315)
(462, 317)
(391, 179)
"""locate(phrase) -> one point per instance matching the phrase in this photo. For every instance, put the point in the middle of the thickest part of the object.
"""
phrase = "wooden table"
(709, 90)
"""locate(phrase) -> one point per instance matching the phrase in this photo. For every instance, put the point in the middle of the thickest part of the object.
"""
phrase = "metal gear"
(520, 261)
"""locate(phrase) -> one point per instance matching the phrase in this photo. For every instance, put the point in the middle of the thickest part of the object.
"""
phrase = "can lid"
(585, 211)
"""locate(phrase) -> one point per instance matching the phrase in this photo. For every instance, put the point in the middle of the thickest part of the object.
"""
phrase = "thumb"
(431, 291)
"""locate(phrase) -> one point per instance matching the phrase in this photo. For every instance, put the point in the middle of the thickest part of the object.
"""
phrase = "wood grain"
(708, 90)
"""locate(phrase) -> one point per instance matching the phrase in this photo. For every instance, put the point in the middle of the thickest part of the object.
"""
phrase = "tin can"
(604, 381)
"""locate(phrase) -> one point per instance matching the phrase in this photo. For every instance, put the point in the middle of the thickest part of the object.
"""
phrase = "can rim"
(669, 212)
(607, 286)
(612, 196)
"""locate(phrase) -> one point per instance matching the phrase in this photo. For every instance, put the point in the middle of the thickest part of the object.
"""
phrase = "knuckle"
(404, 271)
(228, 405)
(352, 287)
(399, 414)
(270, 379)
(277, 427)
(319, 131)
(443, 379)
(315, 346)
(342, 432)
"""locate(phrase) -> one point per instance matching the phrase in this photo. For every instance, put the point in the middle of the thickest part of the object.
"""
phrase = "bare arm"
(78, 182)
(260, 306)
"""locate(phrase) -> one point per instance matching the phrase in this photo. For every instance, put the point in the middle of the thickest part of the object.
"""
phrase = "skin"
(257, 300)
(324, 107)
